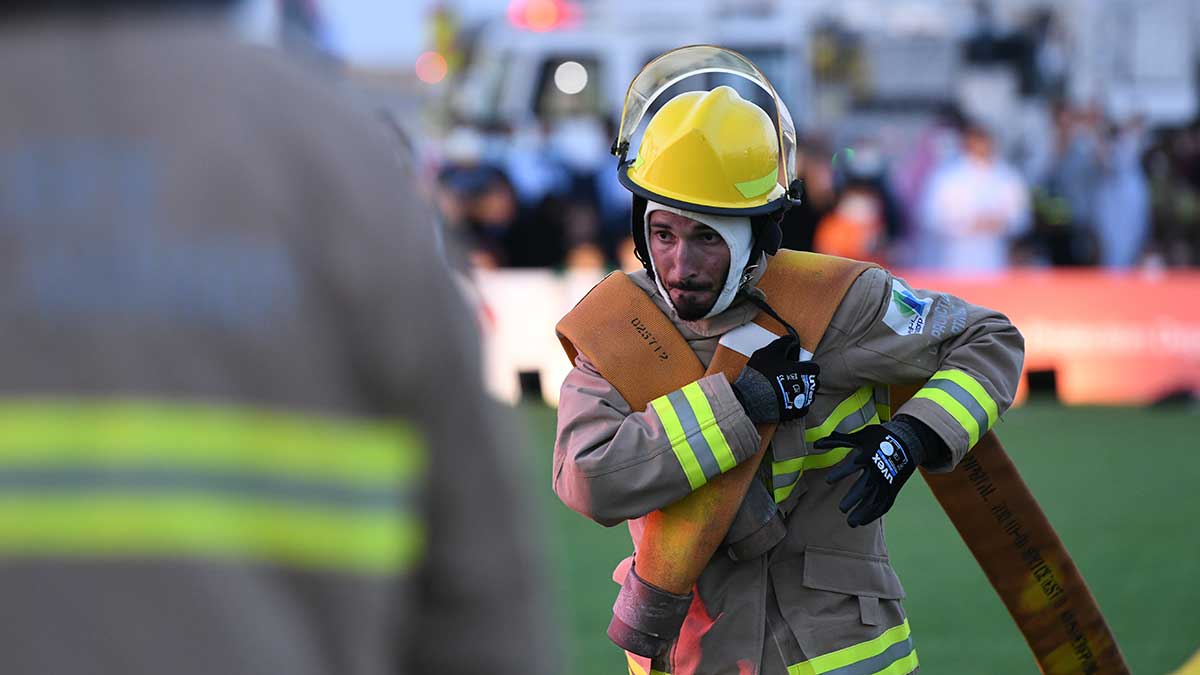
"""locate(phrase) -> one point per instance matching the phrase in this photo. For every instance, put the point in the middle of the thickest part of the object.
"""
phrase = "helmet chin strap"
(738, 235)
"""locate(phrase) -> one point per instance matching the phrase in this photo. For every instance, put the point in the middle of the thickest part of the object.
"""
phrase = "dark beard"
(690, 311)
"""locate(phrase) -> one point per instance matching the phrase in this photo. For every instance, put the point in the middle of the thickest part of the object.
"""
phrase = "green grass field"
(1121, 485)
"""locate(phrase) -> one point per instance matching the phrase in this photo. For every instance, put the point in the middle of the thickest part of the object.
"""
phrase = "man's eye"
(710, 237)
(663, 235)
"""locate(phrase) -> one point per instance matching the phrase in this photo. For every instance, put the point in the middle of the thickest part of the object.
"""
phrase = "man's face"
(691, 260)
(978, 145)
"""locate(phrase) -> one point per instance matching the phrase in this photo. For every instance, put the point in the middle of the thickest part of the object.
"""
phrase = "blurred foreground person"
(243, 426)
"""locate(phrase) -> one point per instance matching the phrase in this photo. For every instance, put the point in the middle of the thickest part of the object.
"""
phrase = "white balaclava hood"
(738, 236)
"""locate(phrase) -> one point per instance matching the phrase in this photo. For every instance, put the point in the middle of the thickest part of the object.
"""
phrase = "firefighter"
(803, 583)
(227, 446)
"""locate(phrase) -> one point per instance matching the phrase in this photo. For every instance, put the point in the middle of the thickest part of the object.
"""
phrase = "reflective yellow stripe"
(843, 410)
(679, 442)
(823, 460)
(709, 428)
(956, 410)
(784, 492)
(883, 411)
(802, 464)
(860, 652)
(193, 526)
(203, 436)
(826, 459)
(972, 387)
(902, 667)
(695, 437)
(809, 462)
(635, 669)
(152, 479)
(788, 465)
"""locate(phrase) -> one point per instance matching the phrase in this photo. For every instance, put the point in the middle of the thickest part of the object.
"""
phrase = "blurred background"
(1042, 158)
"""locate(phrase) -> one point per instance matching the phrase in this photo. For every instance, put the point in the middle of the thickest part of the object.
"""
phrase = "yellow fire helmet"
(708, 151)
(712, 150)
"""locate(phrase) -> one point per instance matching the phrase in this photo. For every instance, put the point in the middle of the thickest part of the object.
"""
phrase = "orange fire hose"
(1016, 546)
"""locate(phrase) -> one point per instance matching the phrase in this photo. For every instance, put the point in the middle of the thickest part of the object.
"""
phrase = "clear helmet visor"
(680, 64)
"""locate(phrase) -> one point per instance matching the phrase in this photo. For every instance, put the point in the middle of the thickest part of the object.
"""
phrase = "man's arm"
(970, 355)
(612, 463)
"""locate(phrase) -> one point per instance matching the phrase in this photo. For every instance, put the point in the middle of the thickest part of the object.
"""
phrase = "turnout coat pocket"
(833, 599)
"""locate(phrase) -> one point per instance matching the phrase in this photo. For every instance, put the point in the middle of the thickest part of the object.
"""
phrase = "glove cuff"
(753, 390)
(934, 451)
(646, 619)
(907, 433)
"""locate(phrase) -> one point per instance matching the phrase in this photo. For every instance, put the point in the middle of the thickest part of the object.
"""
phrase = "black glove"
(774, 386)
(886, 454)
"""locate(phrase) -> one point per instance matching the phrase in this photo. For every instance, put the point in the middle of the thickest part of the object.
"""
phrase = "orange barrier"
(1112, 338)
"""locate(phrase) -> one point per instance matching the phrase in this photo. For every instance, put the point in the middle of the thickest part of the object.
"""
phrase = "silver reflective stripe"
(883, 403)
(854, 419)
(858, 418)
(878, 663)
(149, 481)
(785, 479)
(964, 397)
(695, 439)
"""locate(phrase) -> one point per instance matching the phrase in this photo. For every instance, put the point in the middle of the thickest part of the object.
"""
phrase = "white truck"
(512, 77)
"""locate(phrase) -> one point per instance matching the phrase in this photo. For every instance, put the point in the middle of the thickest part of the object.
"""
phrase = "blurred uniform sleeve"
(477, 598)
(970, 356)
(482, 606)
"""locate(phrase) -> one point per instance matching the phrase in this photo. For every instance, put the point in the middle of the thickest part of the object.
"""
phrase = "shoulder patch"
(906, 312)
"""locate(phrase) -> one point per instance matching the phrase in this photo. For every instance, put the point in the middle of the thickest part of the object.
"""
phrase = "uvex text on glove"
(886, 455)
(775, 386)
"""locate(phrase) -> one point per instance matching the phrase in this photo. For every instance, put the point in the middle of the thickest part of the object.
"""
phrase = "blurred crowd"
(1096, 192)
(967, 187)
(541, 197)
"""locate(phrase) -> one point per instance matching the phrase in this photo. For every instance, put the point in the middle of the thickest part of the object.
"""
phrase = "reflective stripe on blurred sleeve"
(129, 479)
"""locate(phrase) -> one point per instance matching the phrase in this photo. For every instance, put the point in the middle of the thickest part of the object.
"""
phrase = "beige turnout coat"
(227, 447)
(825, 600)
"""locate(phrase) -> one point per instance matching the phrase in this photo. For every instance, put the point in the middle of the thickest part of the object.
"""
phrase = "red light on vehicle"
(431, 67)
(540, 15)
